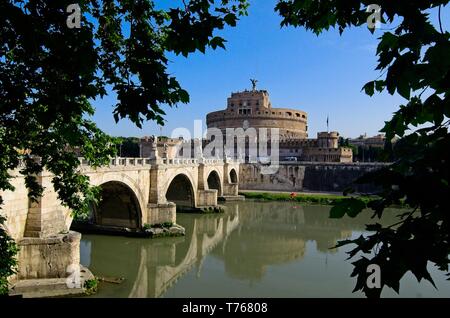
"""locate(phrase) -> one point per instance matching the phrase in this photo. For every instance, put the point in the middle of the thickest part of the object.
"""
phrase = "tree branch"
(440, 20)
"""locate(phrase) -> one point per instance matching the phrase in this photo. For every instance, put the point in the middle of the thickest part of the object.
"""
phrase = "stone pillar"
(230, 189)
(158, 209)
(202, 182)
(47, 216)
(47, 248)
(48, 257)
(161, 213)
(207, 198)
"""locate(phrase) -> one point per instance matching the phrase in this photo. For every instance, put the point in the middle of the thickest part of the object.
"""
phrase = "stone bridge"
(136, 192)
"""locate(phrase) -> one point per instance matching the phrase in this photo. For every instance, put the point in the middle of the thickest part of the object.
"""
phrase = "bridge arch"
(118, 207)
(181, 191)
(127, 184)
(233, 176)
(214, 182)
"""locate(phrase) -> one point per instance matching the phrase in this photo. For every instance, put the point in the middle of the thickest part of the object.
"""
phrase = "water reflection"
(230, 254)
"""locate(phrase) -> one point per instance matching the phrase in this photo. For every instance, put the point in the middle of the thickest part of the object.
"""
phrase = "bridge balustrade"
(121, 162)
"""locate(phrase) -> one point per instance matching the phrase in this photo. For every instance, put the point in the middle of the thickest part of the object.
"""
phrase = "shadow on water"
(255, 249)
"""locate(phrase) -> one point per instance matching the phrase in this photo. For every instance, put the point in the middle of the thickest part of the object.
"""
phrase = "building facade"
(323, 149)
(377, 141)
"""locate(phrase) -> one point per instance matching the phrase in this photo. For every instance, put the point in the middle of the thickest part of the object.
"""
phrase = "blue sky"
(320, 75)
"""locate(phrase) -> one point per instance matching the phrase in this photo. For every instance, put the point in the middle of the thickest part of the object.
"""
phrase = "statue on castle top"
(254, 82)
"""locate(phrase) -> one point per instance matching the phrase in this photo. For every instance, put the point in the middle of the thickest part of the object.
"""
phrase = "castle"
(252, 108)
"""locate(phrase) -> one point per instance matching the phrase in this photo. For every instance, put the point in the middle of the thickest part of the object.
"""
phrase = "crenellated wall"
(304, 176)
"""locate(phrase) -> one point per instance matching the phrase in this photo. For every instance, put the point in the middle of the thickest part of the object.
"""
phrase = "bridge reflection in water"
(242, 243)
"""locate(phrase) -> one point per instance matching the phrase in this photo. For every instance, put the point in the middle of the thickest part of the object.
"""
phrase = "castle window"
(303, 116)
(289, 113)
(267, 112)
(297, 114)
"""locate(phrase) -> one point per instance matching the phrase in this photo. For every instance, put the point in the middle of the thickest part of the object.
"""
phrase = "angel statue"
(254, 82)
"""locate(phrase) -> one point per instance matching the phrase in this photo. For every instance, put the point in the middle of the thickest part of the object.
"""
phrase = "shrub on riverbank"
(91, 286)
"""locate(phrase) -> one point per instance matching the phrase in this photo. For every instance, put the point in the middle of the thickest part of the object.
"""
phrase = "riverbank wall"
(308, 176)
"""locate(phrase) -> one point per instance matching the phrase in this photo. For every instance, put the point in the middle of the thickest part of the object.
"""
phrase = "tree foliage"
(50, 74)
(8, 263)
(129, 147)
(414, 61)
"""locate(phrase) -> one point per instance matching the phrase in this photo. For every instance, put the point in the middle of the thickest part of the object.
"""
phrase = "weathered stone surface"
(177, 230)
(174, 230)
(161, 213)
(207, 198)
(48, 257)
(51, 287)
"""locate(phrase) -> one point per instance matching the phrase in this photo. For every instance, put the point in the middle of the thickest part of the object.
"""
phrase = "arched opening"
(214, 182)
(119, 207)
(233, 176)
(180, 192)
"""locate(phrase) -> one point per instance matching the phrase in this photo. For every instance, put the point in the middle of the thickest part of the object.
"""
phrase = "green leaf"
(352, 207)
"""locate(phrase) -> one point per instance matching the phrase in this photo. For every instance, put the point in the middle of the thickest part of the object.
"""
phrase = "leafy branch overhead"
(50, 74)
(414, 61)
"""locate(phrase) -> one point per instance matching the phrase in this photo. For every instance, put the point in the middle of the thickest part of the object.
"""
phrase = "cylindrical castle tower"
(253, 109)
(328, 140)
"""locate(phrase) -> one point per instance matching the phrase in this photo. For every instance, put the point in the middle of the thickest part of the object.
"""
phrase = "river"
(255, 249)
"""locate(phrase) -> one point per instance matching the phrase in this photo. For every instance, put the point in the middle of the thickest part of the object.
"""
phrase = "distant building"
(162, 147)
(323, 149)
(367, 142)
